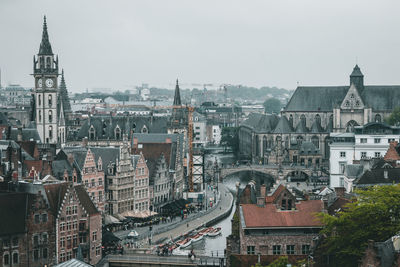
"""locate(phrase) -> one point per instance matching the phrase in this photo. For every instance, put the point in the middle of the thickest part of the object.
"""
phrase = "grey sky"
(119, 44)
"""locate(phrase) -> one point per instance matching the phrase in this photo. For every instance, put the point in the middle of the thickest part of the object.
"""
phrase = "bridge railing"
(173, 260)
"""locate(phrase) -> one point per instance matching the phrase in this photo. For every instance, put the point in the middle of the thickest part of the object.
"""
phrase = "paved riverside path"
(223, 206)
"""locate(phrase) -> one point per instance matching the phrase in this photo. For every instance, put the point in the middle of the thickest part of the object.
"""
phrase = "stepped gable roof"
(247, 195)
(108, 155)
(105, 126)
(316, 98)
(316, 127)
(308, 148)
(275, 193)
(301, 128)
(392, 154)
(14, 210)
(261, 122)
(283, 126)
(135, 159)
(377, 177)
(55, 194)
(253, 216)
(85, 200)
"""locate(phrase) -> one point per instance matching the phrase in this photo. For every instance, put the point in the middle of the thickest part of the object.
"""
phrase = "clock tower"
(45, 72)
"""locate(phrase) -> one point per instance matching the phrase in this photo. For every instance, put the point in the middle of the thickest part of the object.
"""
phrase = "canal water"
(213, 246)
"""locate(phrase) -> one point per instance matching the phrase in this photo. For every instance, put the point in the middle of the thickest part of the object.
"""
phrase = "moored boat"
(185, 243)
(214, 232)
(197, 237)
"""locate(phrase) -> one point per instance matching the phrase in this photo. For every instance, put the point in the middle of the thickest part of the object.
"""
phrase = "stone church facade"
(310, 115)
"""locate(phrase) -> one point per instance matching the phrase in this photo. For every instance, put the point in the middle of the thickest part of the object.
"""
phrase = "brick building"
(27, 234)
(142, 194)
(78, 223)
(279, 224)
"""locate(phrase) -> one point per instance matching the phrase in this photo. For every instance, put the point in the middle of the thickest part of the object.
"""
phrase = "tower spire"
(45, 46)
(177, 97)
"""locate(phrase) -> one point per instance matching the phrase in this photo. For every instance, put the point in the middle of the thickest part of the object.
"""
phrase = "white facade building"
(369, 141)
(200, 129)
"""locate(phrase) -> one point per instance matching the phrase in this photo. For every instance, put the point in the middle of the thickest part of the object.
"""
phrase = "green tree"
(272, 105)
(375, 215)
(394, 118)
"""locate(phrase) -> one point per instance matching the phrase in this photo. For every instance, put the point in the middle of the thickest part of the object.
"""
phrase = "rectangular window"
(377, 154)
(62, 242)
(94, 236)
(36, 255)
(36, 240)
(342, 167)
(44, 238)
(363, 140)
(250, 250)
(44, 253)
(305, 249)
(93, 183)
(377, 140)
(44, 217)
(290, 249)
(276, 249)
(15, 242)
(342, 154)
(37, 218)
(390, 140)
(363, 155)
(341, 182)
(6, 259)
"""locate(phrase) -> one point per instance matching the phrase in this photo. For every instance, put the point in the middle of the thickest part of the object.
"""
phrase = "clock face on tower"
(40, 83)
(49, 83)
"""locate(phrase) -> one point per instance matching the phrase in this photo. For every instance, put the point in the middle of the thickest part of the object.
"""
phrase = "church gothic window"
(50, 100)
(50, 132)
(350, 126)
(48, 63)
(40, 100)
(291, 120)
(40, 116)
(318, 119)
(50, 116)
(92, 133)
(303, 119)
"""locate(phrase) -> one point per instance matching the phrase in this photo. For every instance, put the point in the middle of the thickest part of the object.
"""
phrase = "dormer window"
(144, 129)
(385, 174)
(92, 133)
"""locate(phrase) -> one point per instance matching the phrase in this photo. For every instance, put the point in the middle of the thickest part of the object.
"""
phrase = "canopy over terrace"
(108, 220)
(142, 214)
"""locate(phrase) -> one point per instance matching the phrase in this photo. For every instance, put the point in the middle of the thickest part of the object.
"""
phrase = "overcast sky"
(120, 44)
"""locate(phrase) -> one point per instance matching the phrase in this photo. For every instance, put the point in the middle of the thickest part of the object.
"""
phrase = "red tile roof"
(275, 194)
(391, 154)
(269, 216)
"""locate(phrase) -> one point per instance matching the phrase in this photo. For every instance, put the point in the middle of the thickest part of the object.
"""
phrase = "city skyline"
(126, 44)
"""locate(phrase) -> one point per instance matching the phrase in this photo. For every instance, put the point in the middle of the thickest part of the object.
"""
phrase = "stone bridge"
(276, 171)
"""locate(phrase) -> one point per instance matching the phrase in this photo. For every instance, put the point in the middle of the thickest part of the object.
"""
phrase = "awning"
(108, 219)
(142, 214)
(119, 217)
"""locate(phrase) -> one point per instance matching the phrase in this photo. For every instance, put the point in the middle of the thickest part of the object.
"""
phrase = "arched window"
(299, 140)
(15, 258)
(291, 120)
(287, 142)
(50, 116)
(6, 259)
(40, 116)
(40, 100)
(50, 132)
(315, 141)
(41, 62)
(48, 62)
(50, 100)
(303, 119)
(117, 133)
(350, 126)
(378, 118)
(318, 119)
(92, 133)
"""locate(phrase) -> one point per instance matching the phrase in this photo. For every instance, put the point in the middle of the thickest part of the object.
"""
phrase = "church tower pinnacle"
(177, 97)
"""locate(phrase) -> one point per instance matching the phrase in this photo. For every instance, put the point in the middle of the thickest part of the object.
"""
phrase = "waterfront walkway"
(177, 227)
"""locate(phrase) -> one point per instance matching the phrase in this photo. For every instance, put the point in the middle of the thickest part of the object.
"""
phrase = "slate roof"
(14, 209)
(55, 195)
(105, 126)
(376, 176)
(73, 263)
(283, 126)
(108, 155)
(326, 98)
(356, 72)
(308, 148)
(59, 167)
(85, 200)
(270, 217)
(45, 46)
(316, 127)
(28, 134)
(301, 128)
(261, 123)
